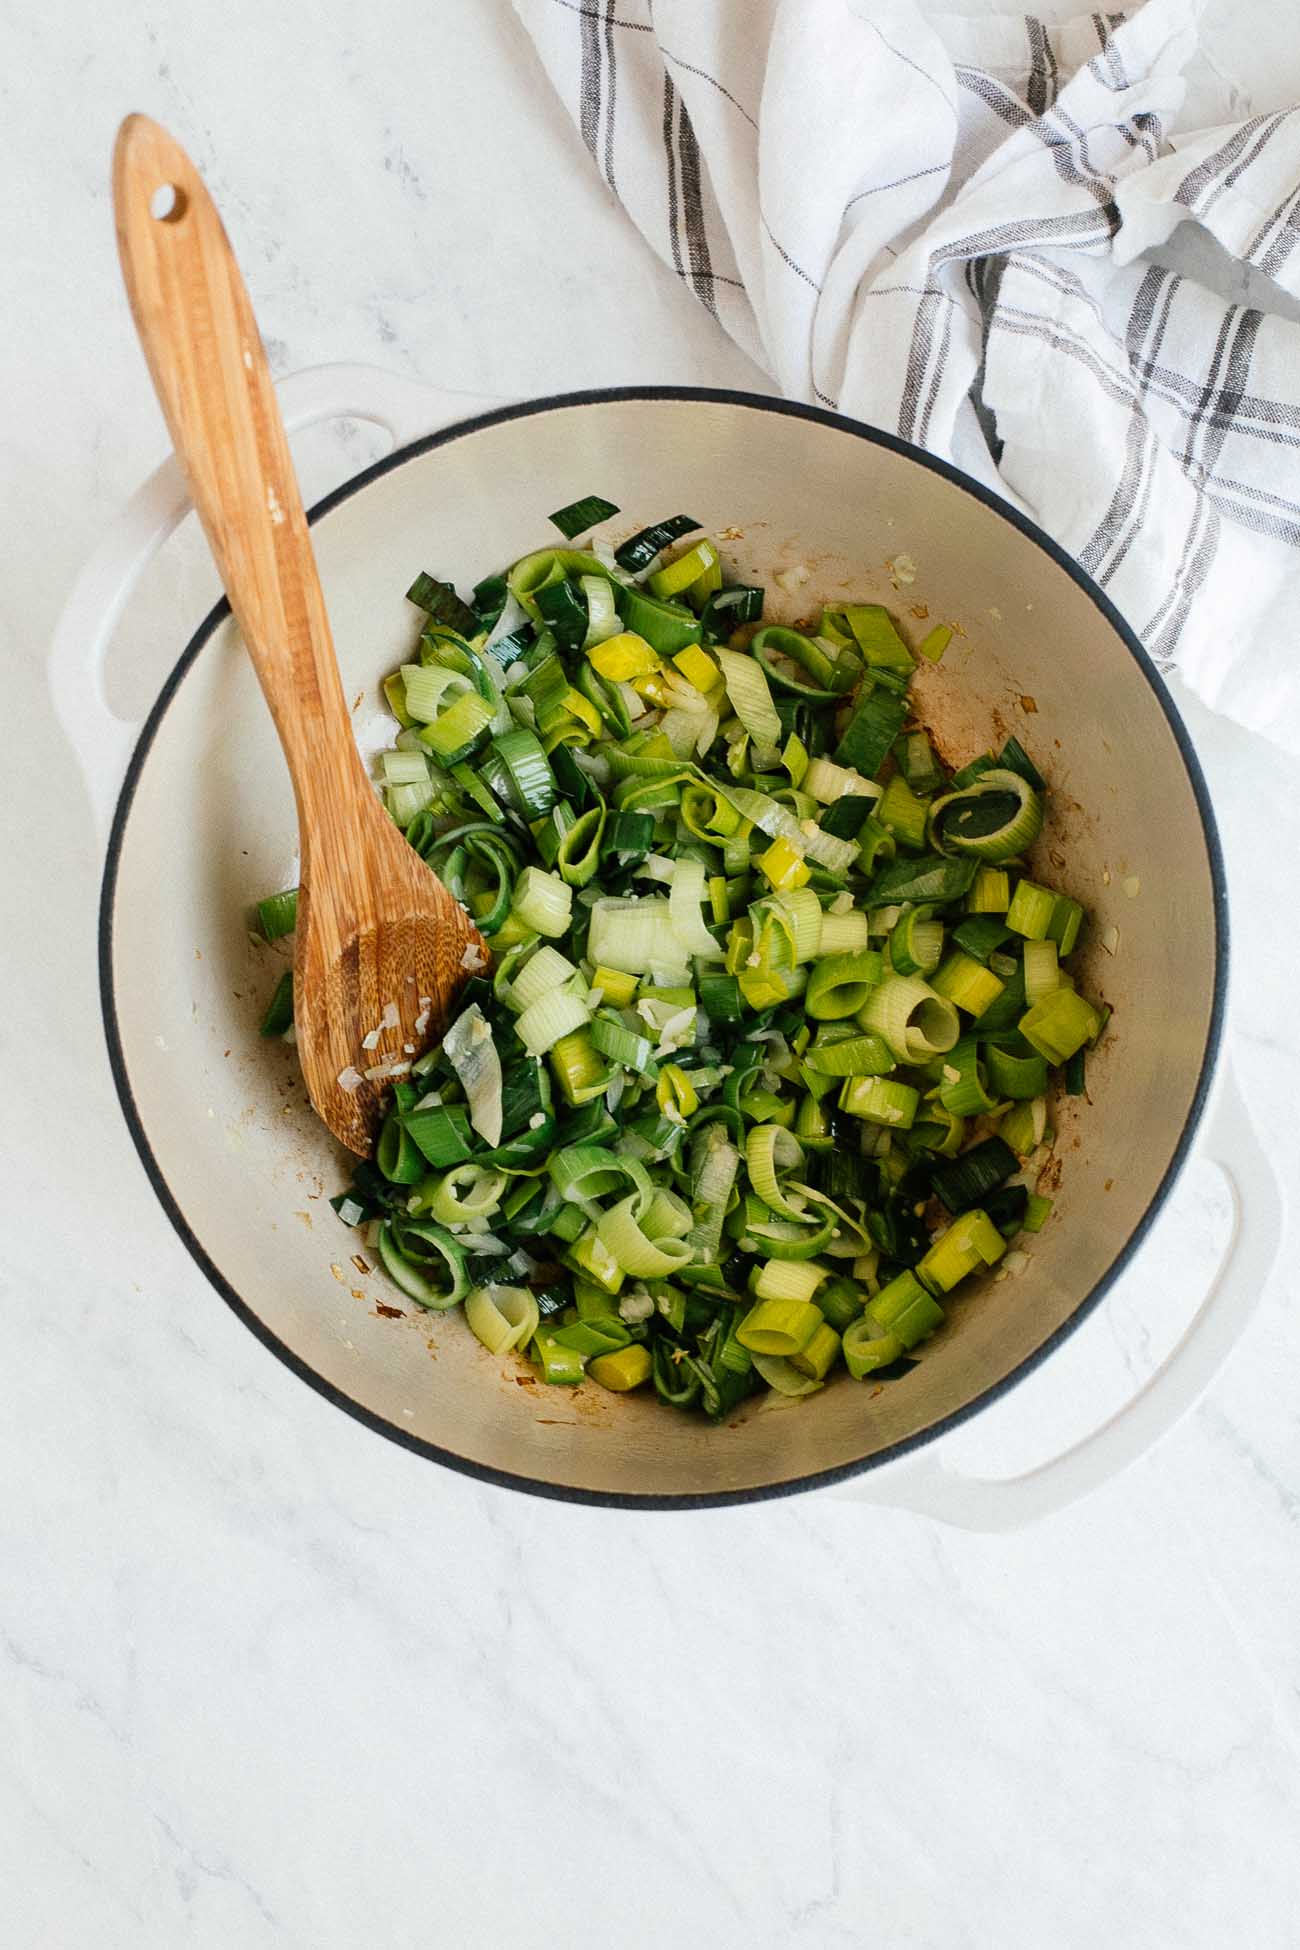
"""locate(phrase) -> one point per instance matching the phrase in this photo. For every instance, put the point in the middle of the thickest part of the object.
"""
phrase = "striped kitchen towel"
(938, 224)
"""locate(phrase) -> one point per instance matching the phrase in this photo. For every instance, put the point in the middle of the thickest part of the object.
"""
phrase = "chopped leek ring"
(915, 1022)
(781, 1326)
(561, 1366)
(1024, 1126)
(502, 1317)
(1042, 969)
(866, 1350)
(843, 934)
(840, 984)
(623, 1369)
(784, 866)
(691, 571)
(469, 1047)
(902, 813)
(990, 892)
(640, 550)
(1013, 1076)
(867, 1055)
(783, 653)
(970, 1244)
(410, 1250)
(916, 944)
(905, 1309)
(542, 903)
(277, 915)
(279, 1010)
(718, 934)
(622, 1237)
(783, 1378)
(771, 1153)
(828, 783)
(630, 936)
(698, 668)
(465, 1194)
(880, 1100)
(623, 657)
(962, 1088)
(602, 613)
(546, 969)
(819, 1355)
(996, 818)
(1061, 1023)
(1031, 910)
(752, 703)
(967, 983)
(553, 1016)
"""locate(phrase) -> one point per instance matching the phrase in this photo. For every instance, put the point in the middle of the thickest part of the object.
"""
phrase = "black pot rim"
(704, 1499)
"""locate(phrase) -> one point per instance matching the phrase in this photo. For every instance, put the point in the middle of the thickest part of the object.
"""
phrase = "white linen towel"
(935, 224)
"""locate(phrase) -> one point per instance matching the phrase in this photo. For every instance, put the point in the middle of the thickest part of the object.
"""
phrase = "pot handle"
(927, 1485)
(102, 741)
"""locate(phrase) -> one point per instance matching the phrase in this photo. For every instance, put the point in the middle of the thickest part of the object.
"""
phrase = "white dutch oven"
(198, 803)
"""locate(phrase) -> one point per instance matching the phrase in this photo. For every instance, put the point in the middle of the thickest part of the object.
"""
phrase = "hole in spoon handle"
(168, 203)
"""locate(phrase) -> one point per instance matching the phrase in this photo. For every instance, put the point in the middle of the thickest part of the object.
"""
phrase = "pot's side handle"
(102, 741)
(925, 1484)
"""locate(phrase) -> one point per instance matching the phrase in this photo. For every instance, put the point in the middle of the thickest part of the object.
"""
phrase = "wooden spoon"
(381, 945)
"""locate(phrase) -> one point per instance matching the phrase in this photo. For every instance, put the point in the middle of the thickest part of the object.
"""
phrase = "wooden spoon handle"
(205, 353)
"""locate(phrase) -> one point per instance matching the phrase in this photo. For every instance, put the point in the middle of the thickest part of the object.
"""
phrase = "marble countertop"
(268, 1680)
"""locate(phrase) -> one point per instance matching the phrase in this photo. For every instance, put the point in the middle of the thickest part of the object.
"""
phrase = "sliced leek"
(996, 818)
(914, 1020)
(773, 986)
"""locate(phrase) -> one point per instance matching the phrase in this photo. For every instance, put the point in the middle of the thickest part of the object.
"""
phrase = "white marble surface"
(265, 1679)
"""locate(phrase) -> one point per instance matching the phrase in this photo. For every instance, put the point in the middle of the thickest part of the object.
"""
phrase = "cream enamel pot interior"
(220, 1118)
